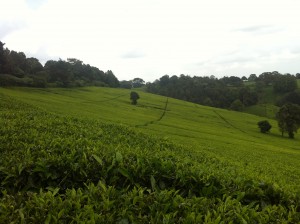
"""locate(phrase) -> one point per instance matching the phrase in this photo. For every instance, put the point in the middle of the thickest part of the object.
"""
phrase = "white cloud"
(9, 22)
(150, 38)
(35, 4)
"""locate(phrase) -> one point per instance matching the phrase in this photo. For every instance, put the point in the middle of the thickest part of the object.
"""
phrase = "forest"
(18, 70)
(228, 92)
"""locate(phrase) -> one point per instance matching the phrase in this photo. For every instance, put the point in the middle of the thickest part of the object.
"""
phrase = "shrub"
(264, 126)
(134, 96)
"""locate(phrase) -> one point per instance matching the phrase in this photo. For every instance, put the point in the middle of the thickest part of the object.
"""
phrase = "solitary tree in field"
(288, 118)
(134, 96)
(264, 126)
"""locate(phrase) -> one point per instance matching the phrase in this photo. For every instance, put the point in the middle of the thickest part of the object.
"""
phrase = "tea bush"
(60, 169)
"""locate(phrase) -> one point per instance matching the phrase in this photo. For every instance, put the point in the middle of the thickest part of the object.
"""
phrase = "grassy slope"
(59, 169)
(229, 136)
(266, 107)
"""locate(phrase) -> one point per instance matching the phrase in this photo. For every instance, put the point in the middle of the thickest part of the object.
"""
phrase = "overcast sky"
(151, 38)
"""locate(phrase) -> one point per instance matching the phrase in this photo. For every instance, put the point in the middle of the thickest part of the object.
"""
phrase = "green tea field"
(86, 155)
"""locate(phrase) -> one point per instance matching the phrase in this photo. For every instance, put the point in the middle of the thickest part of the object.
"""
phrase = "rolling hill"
(189, 152)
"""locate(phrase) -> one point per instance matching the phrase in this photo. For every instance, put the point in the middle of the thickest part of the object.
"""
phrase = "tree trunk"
(291, 134)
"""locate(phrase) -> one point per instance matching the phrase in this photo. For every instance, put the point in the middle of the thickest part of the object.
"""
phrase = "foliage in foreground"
(60, 169)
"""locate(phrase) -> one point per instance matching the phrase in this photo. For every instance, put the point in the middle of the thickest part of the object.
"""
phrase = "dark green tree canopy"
(232, 81)
(111, 79)
(247, 97)
(59, 71)
(125, 84)
(137, 82)
(134, 96)
(252, 77)
(291, 97)
(267, 77)
(264, 126)
(2, 57)
(284, 83)
(288, 118)
(206, 90)
(244, 78)
(33, 66)
(237, 105)
(22, 71)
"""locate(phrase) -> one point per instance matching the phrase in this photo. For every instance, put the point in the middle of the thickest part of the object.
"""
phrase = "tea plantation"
(87, 155)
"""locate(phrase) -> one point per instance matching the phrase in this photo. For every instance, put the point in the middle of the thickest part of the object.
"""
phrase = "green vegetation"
(257, 95)
(237, 105)
(210, 91)
(86, 155)
(239, 94)
(264, 126)
(18, 70)
(289, 119)
(134, 96)
(263, 110)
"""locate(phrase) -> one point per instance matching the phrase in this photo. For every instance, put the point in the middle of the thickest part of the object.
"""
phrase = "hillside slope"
(74, 139)
(229, 135)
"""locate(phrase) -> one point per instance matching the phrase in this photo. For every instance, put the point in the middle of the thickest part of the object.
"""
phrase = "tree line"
(18, 70)
(227, 92)
(224, 93)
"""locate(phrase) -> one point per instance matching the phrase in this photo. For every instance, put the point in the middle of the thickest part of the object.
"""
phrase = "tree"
(288, 118)
(237, 105)
(2, 57)
(284, 83)
(125, 84)
(267, 78)
(291, 97)
(111, 79)
(137, 82)
(244, 78)
(252, 78)
(134, 96)
(247, 97)
(232, 81)
(59, 71)
(17, 63)
(164, 80)
(264, 126)
(74, 61)
(33, 66)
